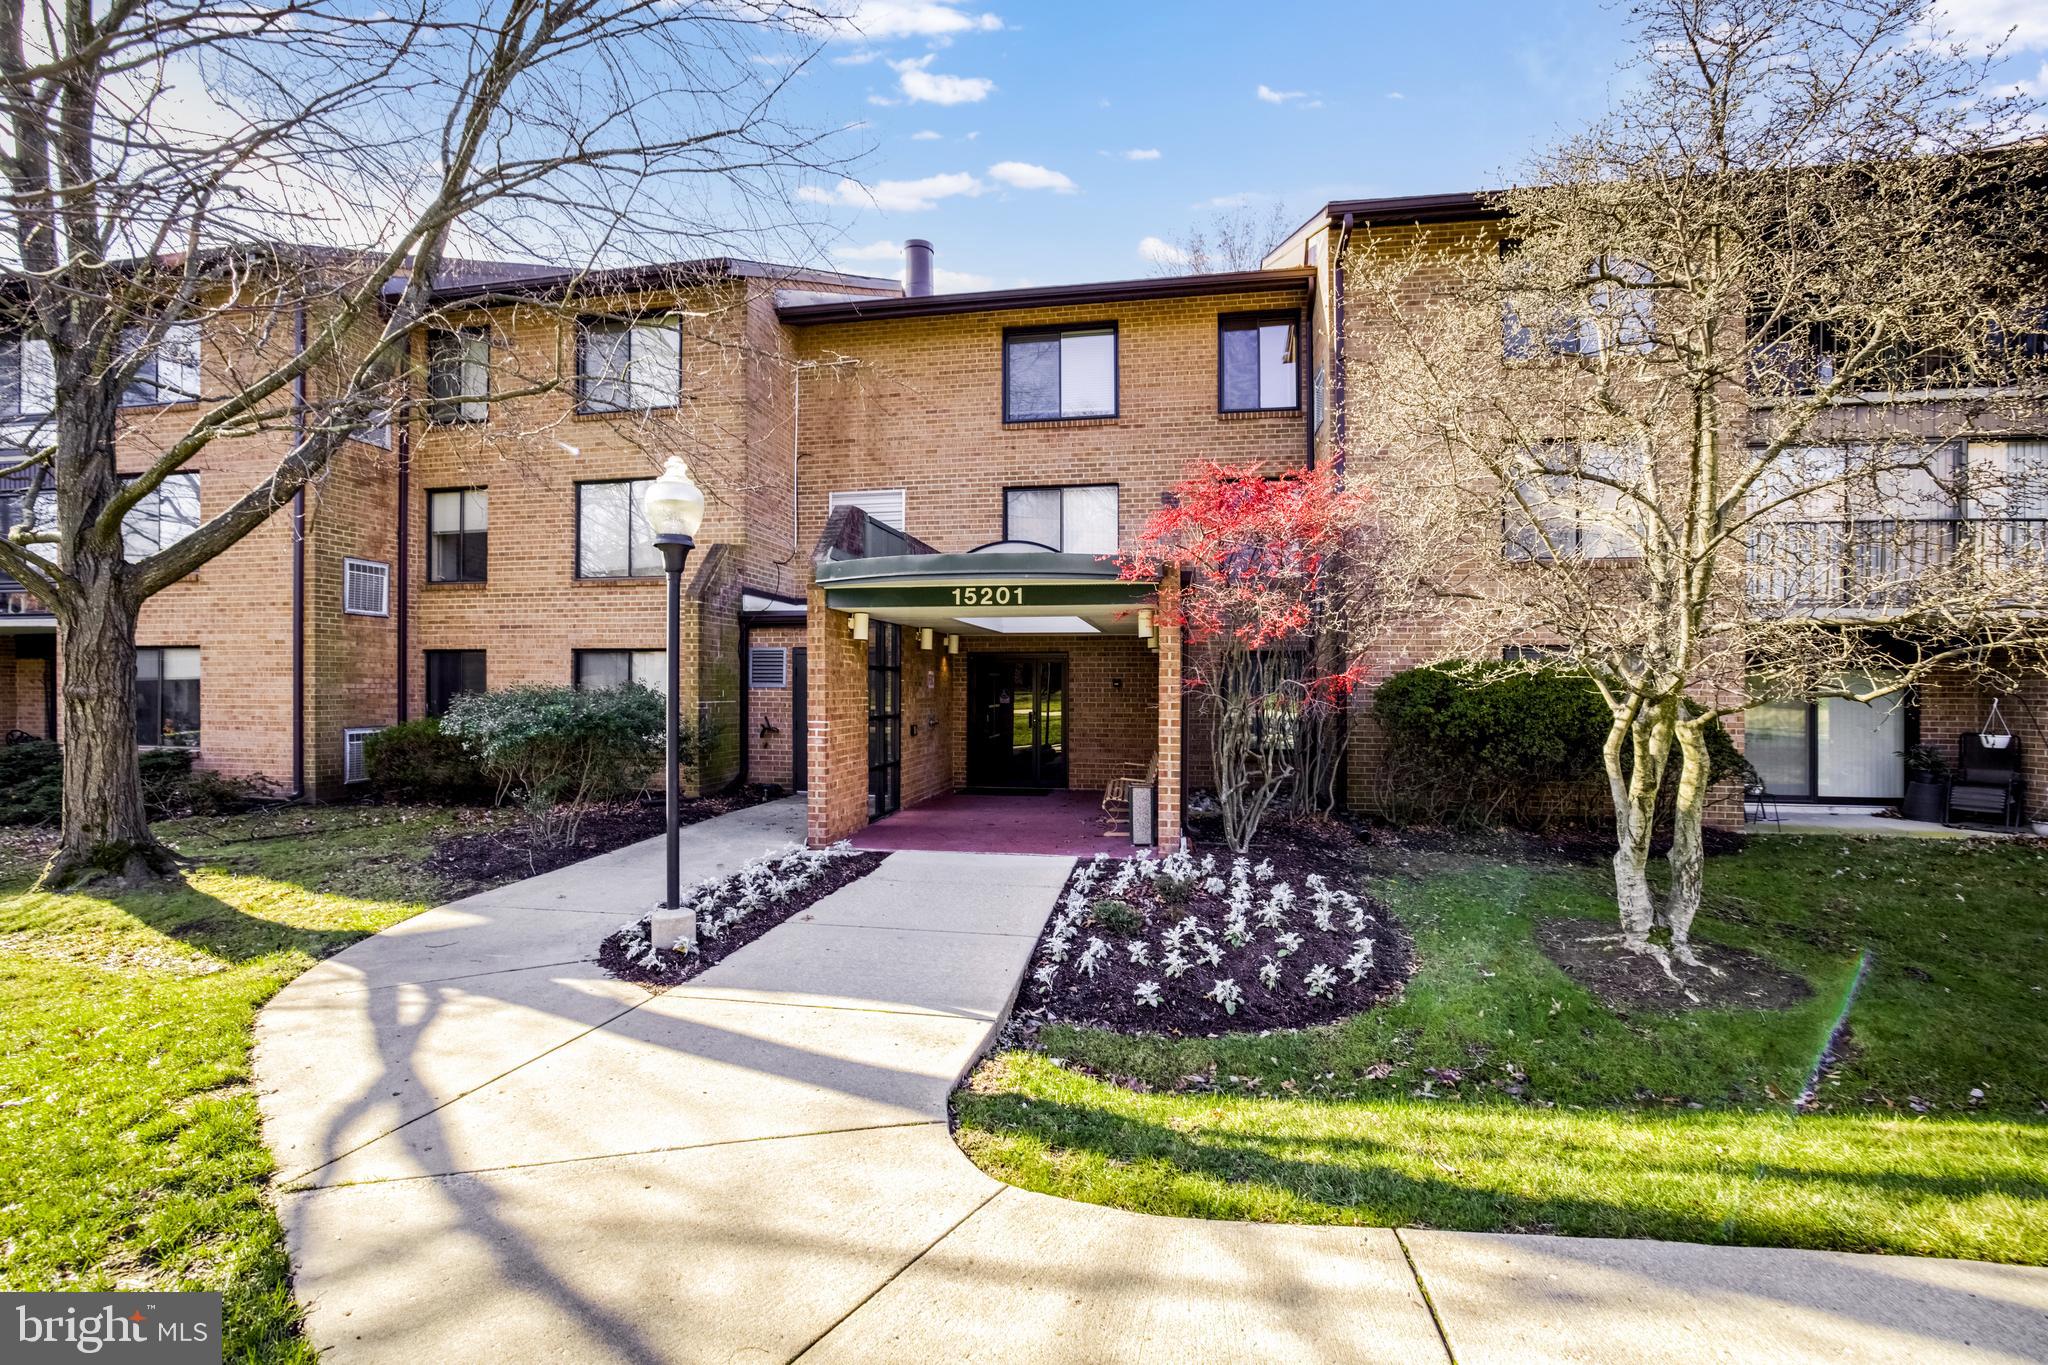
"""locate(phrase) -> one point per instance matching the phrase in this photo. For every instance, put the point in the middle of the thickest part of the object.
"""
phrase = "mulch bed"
(1590, 953)
(671, 967)
(507, 852)
(1106, 998)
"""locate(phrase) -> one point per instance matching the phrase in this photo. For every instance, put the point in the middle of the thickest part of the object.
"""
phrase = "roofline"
(1458, 206)
(667, 274)
(1049, 296)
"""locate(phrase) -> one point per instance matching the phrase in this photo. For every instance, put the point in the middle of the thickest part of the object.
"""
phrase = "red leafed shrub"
(1282, 589)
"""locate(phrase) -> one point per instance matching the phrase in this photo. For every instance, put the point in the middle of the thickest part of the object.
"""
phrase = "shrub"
(417, 761)
(1114, 916)
(1494, 742)
(31, 783)
(560, 749)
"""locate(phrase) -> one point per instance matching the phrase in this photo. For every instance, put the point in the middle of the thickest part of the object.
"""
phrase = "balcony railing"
(1885, 562)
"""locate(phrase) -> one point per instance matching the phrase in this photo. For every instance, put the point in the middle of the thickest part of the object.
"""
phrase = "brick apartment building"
(899, 590)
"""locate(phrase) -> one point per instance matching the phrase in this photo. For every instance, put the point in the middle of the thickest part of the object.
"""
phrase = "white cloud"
(959, 281)
(1159, 251)
(882, 249)
(926, 135)
(1022, 175)
(895, 196)
(1142, 154)
(1272, 96)
(1396, 95)
(930, 87)
(860, 58)
(883, 19)
(1984, 22)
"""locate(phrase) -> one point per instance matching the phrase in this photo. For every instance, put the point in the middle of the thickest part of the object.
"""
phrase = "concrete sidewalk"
(498, 1153)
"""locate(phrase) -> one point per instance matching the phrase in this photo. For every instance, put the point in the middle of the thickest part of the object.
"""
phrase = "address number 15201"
(988, 597)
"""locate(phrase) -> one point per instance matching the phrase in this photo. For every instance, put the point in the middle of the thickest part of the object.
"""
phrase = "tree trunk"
(1688, 848)
(106, 829)
(1635, 817)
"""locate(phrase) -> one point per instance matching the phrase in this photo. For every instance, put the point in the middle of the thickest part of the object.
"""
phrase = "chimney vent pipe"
(917, 273)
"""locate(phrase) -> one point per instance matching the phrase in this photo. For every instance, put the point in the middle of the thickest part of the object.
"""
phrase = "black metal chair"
(1758, 804)
(1988, 782)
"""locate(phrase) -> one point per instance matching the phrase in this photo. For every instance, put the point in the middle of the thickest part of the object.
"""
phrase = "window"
(1078, 520)
(28, 379)
(450, 673)
(458, 535)
(375, 430)
(881, 504)
(169, 373)
(613, 539)
(354, 767)
(628, 365)
(767, 667)
(458, 376)
(166, 515)
(1061, 373)
(596, 669)
(167, 697)
(1615, 302)
(1256, 361)
(1575, 510)
(365, 588)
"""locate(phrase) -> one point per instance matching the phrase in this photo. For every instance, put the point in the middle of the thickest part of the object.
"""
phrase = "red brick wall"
(1952, 707)
(770, 756)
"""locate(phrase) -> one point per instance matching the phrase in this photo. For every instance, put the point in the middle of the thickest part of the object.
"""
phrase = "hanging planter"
(1995, 733)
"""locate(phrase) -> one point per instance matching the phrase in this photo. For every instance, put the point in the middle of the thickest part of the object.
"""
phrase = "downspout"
(298, 792)
(404, 565)
(746, 691)
(1337, 346)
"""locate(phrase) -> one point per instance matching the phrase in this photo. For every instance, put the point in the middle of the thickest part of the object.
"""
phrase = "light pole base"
(673, 929)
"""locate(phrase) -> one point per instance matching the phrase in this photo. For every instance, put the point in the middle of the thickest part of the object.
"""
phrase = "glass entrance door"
(885, 719)
(1017, 722)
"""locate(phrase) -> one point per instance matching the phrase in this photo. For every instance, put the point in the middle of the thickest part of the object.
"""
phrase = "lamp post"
(675, 509)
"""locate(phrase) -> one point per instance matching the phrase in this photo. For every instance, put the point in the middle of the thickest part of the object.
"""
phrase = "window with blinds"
(881, 504)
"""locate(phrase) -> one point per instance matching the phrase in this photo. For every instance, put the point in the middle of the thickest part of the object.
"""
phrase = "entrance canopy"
(996, 593)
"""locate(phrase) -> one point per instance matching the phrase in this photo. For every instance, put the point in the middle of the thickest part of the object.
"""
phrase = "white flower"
(1289, 943)
(1139, 953)
(1320, 979)
(1174, 963)
(1226, 994)
(1146, 993)
(1091, 957)
(1269, 973)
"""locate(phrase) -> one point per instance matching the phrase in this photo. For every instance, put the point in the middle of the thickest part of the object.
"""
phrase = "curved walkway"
(496, 1152)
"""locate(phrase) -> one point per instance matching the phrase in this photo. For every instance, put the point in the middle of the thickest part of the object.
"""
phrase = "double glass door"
(1017, 721)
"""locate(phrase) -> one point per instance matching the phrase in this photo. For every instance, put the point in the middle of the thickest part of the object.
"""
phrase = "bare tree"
(1233, 237)
(1689, 412)
(247, 206)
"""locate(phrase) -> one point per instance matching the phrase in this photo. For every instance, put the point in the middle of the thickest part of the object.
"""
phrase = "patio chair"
(1116, 797)
(1758, 804)
(1987, 782)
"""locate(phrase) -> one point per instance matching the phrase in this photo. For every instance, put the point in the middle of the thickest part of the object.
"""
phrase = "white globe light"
(675, 505)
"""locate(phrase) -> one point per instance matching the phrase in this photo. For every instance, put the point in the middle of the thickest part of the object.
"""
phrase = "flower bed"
(1185, 945)
(734, 910)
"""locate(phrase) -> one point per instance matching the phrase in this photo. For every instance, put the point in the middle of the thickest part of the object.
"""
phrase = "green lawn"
(130, 1154)
(1564, 1115)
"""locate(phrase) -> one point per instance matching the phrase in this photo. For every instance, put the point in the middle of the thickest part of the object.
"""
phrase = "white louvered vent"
(881, 504)
(365, 588)
(353, 766)
(768, 667)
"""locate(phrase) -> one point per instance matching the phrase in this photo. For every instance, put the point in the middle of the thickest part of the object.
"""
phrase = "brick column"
(1166, 626)
(837, 742)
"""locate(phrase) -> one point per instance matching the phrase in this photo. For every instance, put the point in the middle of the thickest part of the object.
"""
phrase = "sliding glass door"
(1830, 750)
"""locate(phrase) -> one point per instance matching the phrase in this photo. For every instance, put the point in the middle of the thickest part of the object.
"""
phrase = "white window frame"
(1064, 490)
(382, 574)
(148, 513)
(177, 382)
(355, 762)
(472, 364)
(756, 655)
(31, 381)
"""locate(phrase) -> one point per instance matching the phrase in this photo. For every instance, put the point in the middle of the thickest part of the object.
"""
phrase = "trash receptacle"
(1143, 813)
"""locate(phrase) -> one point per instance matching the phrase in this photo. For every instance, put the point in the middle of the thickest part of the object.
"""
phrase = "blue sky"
(1042, 142)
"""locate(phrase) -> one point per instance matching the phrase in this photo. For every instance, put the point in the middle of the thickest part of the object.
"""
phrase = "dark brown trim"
(1061, 329)
(1337, 422)
(576, 564)
(1259, 317)
(403, 570)
(545, 283)
(630, 320)
(1052, 296)
(298, 792)
(1459, 206)
(427, 520)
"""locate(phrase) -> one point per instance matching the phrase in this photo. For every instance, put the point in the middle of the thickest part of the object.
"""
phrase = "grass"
(130, 1152)
(1498, 1095)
